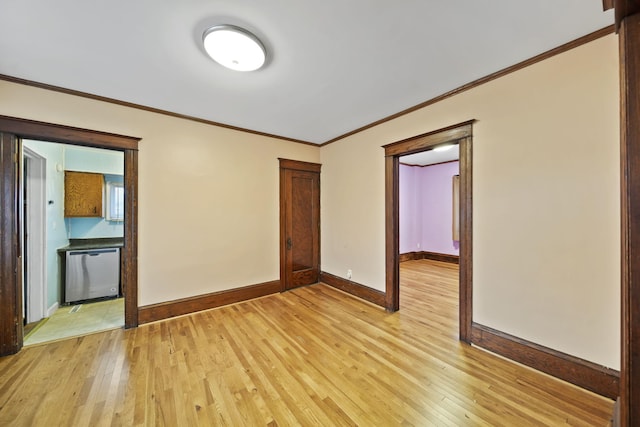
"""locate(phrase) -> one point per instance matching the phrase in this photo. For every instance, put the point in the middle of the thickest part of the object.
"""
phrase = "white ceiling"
(431, 157)
(334, 65)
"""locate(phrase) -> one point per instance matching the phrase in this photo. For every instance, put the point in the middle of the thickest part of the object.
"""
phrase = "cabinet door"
(82, 194)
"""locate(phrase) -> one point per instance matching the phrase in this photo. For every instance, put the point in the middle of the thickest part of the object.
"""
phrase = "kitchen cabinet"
(83, 194)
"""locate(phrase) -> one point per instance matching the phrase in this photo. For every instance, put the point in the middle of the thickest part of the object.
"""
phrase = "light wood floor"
(313, 357)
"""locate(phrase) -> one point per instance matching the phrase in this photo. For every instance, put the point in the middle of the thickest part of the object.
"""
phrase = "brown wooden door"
(299, 223)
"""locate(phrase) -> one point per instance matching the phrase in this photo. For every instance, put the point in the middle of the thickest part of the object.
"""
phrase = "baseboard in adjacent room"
(410, 256)
(52, 309)
(361, 291)
(585, 374)
(165, 310)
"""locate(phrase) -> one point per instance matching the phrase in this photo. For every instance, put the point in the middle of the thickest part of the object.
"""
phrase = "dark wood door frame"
(462, 134)
(11, 326)
(12, 130)
(286, 164)
(628, 23)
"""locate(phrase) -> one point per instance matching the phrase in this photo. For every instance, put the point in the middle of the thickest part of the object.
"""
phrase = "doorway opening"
(12, 131)
(92, 300)
(460, 134)
(428, 209)
(429, 237)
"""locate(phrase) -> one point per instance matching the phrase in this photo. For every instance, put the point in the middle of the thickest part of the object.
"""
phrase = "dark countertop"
(80, 244)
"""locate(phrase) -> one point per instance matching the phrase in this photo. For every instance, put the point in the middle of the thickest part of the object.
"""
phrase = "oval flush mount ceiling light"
(234, 47)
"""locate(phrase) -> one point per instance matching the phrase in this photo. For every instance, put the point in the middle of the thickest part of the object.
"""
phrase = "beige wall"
(208, 212)
(546, 197)
(545, 204)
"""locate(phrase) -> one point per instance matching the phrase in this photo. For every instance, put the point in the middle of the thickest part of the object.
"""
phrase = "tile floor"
(79, 319)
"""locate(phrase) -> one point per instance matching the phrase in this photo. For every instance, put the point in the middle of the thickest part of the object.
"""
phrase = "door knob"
(289, 243)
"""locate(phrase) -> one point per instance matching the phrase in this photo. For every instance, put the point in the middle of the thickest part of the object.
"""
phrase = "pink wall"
(426, 208)
(410, 228)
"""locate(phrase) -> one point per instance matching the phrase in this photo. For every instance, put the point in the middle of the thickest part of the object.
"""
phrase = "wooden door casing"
(299, 223)
(11, 326)
(13, 129)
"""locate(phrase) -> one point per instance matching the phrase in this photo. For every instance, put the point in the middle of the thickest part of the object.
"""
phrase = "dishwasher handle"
(93, 252)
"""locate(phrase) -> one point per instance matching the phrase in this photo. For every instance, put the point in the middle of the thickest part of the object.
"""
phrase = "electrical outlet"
(349, 274)
(418, 245)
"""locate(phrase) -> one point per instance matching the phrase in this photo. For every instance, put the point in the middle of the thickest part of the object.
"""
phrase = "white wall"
(208, 196)
(546, 228)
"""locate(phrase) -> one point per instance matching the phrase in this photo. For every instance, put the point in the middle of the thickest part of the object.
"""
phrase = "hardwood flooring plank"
(311, 356)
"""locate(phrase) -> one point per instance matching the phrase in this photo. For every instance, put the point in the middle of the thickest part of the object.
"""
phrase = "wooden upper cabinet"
(83, 194)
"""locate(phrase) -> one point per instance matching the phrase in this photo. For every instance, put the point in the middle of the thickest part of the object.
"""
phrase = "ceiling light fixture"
(234, 47)
(444, 147)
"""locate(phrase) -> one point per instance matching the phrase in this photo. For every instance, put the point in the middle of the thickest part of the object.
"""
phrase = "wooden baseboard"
(454, 259)
(165, 310)
(410, 256)
(585, 374)
(361, 291)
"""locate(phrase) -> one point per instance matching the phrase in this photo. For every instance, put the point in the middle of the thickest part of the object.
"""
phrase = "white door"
(34, 235)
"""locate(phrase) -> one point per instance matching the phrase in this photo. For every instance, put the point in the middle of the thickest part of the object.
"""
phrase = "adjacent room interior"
(73, 200)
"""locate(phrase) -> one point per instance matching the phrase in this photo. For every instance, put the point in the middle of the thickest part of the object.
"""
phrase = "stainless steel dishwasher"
(93, 273)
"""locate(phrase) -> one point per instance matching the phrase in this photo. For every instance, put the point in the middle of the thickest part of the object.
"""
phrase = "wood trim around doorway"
(629, 40)
(462, 134)
(10, 287)
(12, 130)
